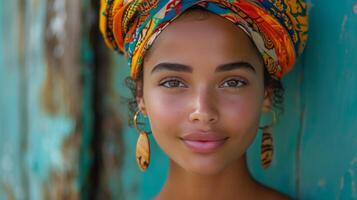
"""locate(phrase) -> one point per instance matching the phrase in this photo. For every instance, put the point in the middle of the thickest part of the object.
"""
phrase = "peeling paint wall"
(13, 177)
(62, 40)
(59, 138)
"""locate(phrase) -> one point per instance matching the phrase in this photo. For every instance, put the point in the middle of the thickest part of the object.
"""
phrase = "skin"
(200, 98)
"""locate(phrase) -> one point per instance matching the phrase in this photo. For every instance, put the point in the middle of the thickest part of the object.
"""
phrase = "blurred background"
(63, 116)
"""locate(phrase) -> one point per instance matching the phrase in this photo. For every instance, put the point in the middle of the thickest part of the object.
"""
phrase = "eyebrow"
(171, 67)
(185, 68)
(235, 65)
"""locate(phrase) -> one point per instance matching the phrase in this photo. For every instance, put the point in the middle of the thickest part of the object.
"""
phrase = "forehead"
(201, 35)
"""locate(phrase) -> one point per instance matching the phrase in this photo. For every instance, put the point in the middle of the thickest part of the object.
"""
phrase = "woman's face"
(203, 77)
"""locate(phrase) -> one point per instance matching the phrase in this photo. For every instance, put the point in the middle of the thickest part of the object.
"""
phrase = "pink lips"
(203, 142)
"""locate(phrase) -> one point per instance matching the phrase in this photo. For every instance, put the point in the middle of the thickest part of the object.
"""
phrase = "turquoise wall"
(63, 121)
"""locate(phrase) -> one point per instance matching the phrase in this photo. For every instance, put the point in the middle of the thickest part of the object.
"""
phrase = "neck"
(233, 181)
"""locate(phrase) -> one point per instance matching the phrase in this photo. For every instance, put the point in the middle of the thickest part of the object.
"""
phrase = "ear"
(268, 99)
(141, 104)
(139, 97)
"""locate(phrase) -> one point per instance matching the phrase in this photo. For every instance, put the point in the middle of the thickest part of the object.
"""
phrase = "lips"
(203, 142)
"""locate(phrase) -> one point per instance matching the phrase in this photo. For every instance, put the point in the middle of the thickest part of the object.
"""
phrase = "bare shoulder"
(271, 194)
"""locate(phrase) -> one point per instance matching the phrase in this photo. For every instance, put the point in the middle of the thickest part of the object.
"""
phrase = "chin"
(206, 166)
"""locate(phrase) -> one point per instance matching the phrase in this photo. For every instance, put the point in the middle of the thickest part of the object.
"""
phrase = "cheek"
(165, 111)
(242, 113)
(240, 117)
(166, 116)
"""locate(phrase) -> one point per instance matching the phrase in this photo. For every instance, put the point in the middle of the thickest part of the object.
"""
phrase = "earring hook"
(272, 123)
(136, 116)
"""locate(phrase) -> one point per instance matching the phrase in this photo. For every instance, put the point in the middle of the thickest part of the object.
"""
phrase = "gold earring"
(266, 147)
(142, 146)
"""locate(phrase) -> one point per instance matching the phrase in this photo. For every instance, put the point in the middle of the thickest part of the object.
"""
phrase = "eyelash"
(170, 80)
(239, 82)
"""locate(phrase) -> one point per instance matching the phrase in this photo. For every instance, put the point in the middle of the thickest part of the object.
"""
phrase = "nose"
(204, 107)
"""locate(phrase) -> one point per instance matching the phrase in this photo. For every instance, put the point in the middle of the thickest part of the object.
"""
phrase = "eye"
(235, 83)
(172, 83)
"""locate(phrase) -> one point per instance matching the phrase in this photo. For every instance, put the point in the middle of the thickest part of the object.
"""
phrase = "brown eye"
(235, 83)
(172, 83)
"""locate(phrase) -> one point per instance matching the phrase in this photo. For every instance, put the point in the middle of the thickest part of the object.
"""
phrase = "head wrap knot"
(277, 28)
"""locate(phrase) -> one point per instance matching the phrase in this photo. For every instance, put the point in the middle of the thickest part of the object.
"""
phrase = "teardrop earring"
(267, 145)
(142, 146)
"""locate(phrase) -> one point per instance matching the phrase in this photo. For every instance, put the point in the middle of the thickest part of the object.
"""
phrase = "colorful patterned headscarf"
(277, 27)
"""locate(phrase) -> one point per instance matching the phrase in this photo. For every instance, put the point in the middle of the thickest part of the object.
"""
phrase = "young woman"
(203, 72)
